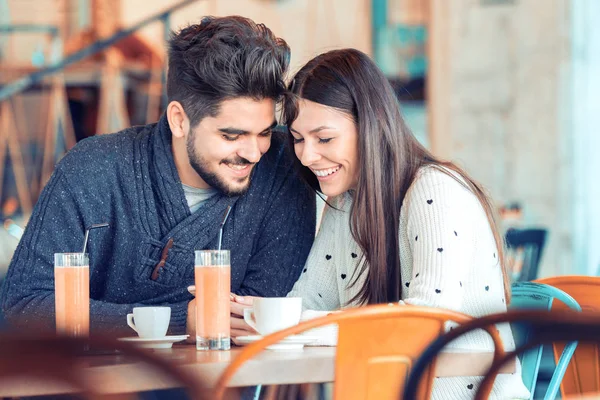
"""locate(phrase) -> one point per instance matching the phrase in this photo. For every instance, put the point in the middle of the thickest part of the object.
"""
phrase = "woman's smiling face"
(326, 142)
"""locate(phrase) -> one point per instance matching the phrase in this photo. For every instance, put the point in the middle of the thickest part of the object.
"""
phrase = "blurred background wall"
(308, 26)
(514, 100)
(499, 80)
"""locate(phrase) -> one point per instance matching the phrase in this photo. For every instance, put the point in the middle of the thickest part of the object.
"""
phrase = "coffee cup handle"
(249, 318)
(130, 322)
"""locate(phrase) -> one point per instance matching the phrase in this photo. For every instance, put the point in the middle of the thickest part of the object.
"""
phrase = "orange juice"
(72, 300)
(212, 306)
(213, 285)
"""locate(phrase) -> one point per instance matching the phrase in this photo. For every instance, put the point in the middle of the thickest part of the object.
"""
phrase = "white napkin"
(327, 335)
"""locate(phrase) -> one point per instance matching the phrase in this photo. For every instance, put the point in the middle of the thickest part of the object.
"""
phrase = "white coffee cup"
(150, 322)
(271, 314)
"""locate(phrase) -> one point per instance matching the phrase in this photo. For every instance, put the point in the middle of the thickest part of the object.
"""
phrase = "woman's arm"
(441, 229)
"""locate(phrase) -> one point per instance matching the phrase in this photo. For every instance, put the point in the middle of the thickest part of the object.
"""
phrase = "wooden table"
(311, 365)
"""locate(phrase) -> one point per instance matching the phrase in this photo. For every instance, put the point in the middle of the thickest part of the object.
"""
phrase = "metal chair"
(543, 327)
(547, 328)
(537, 296)
(529, 242)
(583, 373)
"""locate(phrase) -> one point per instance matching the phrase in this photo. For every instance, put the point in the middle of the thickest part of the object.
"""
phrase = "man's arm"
(58, 225)
(285, 240)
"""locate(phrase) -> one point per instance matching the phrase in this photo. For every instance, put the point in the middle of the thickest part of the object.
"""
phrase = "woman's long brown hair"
(389, 158)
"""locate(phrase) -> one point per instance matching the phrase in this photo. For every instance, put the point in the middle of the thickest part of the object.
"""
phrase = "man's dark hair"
(224, 58)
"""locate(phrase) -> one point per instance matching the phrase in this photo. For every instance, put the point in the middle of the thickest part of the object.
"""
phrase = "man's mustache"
(237, 161)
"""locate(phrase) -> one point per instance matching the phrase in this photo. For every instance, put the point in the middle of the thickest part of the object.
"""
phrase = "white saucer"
(294, 342)
(151, 343)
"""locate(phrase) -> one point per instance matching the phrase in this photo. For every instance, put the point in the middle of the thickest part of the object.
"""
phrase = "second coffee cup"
(271, 314)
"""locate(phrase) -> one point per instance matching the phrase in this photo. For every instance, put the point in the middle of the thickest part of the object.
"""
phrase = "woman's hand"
(238, 304)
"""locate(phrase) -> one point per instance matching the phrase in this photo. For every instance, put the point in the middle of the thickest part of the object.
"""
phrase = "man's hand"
(239, 327)
(191, 322)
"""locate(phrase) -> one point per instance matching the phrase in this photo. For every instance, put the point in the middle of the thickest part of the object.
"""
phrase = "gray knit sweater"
(129, 180)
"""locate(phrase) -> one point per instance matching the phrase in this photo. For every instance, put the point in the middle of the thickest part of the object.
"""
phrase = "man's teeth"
(237, 167)
(325, 172)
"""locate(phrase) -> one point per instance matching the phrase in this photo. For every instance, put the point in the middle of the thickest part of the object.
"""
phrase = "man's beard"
(212, 178)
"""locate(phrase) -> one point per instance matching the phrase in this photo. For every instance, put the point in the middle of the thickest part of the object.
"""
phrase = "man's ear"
(178, 119)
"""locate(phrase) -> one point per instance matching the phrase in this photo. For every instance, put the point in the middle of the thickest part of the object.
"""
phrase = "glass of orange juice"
(213, 285)
(72, 294)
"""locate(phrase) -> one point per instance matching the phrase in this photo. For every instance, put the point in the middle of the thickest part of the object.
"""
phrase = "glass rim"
(212, 258)
(211, 251)
(73, 260)
(213, 265)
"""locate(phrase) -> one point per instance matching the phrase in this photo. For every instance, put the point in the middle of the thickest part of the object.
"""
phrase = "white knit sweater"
(448, 260)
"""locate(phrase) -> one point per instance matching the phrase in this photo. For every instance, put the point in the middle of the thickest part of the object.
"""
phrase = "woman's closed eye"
(321, 140)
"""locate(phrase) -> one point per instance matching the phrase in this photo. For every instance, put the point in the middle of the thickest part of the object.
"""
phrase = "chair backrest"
(545, 328)
(558, 326)
(376, 348)
(537, 296)
(583, 373)
(531, 242)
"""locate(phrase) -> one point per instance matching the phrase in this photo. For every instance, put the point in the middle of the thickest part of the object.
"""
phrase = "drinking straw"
(87, 234)
(222, 225)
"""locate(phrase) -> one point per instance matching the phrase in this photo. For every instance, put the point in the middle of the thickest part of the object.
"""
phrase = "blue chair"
(537, 296)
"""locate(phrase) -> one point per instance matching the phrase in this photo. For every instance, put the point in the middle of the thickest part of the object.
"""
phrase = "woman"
(400, 224)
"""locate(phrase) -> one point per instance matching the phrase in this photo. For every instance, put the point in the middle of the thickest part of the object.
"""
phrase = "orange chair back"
(583, 372)
(376, 348)
(375, 355)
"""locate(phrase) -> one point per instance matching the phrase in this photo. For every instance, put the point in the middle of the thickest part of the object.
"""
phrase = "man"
(164, 189)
